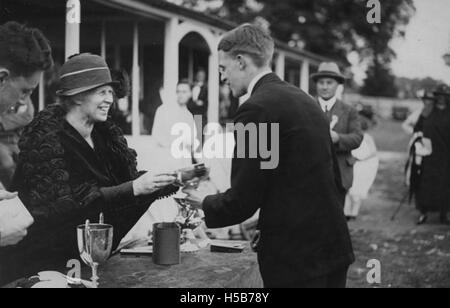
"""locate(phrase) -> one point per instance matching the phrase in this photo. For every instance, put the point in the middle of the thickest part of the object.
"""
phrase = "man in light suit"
(345, 125)
(304, 239)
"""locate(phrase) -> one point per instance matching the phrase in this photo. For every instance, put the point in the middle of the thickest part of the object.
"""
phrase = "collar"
(252, 86)
(255, 80)
(329, 104)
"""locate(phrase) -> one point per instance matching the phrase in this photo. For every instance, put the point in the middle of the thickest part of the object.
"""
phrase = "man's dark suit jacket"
(203, 109)
(350, 137)
(304, 234)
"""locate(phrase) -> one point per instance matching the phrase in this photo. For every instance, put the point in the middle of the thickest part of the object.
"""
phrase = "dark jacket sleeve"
(248, 181)
(53, 195)
(353, 139)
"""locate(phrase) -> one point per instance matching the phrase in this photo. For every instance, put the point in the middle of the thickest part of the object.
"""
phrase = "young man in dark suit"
(345, 125)
(198, 105)
(304, 239)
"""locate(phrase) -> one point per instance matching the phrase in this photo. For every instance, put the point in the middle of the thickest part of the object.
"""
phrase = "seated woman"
(74, 164)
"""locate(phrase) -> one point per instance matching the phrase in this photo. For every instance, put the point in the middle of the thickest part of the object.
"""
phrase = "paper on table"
(14, 219)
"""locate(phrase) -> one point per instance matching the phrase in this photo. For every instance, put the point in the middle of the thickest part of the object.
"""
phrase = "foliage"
(332, 28)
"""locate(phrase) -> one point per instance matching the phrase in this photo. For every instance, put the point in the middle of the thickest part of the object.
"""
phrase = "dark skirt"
(433, 194)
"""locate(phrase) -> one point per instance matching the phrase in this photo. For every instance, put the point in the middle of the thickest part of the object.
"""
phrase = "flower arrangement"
(188, 217)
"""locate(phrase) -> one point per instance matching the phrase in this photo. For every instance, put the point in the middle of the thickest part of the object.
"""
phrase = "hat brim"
(76, 91)
(441, 93)
(427, 97)
(339, 78)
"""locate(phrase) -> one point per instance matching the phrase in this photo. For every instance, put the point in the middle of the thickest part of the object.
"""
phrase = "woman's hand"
(150, 183)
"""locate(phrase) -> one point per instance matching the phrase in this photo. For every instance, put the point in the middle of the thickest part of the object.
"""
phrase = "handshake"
(186, 177)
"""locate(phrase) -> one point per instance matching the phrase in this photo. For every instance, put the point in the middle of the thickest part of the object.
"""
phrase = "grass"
(389, 136)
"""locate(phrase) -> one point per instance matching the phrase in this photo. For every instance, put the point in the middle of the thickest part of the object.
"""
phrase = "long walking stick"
(399, 207)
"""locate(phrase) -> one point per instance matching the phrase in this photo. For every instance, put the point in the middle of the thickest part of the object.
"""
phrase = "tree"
(410, 88)
(329, 27)
(332, 28)
(379, 82)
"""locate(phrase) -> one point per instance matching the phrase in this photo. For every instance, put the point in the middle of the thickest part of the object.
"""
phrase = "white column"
(280, 65)
(171, 56)
(304, 76)
(103, 40)
(73, 20)
(213, 88)
(42, 93)
(135, 84)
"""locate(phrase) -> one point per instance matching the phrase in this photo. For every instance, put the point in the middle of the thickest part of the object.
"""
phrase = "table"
(203, 269)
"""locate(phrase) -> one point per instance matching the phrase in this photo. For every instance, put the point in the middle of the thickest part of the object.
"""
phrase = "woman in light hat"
(75, 163)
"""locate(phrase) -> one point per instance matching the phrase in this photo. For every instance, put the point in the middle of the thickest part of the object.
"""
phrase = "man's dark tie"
(328, 113)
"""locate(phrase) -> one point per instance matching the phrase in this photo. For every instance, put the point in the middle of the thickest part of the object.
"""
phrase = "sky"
(427, 39)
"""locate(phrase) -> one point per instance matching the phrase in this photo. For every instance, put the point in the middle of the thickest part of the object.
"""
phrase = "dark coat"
(350, 138)
(202, 110)
(304, 234)
(63, 181)
(433, 193)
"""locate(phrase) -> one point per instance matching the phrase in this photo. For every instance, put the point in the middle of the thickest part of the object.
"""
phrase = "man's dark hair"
(23, 50)
(123, 89)
(201, 69)
(250, 40)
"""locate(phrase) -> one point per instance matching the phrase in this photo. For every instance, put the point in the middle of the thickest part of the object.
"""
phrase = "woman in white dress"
(365, 169)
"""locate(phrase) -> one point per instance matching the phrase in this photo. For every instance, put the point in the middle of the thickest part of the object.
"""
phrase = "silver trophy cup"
(95, 244)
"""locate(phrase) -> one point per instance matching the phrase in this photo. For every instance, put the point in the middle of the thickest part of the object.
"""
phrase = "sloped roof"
(213, 21)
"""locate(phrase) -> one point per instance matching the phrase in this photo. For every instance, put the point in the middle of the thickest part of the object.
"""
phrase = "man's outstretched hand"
(196, 197)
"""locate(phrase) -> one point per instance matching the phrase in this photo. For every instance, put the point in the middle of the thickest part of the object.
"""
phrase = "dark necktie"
(328, 113)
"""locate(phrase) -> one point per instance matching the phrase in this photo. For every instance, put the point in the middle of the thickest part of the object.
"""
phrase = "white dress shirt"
(327, 105)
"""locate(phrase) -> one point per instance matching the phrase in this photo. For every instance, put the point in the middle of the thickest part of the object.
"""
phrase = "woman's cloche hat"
(84, 72)
(329, 70)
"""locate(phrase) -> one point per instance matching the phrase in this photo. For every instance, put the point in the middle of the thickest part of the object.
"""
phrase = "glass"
(188, 219)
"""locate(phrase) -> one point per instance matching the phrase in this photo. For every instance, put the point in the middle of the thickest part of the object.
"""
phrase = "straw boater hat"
(329, 70)
(82, 73)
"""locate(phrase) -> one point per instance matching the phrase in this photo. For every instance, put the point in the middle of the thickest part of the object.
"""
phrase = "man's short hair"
(23, 50)
(250, 40)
